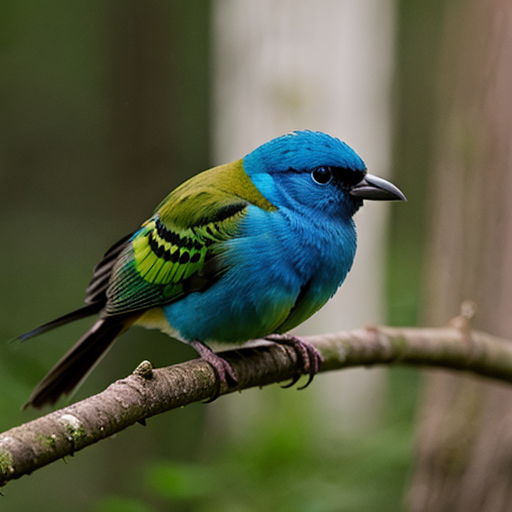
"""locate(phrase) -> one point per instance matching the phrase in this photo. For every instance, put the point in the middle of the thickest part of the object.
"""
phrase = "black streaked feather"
(120, 309)
(96, 290)
(223, 213)
(209, 274)
(115, 249)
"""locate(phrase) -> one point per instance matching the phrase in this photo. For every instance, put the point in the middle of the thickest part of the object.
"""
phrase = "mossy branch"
(147, 392)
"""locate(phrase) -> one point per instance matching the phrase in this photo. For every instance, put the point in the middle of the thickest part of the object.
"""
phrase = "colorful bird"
(242, 251)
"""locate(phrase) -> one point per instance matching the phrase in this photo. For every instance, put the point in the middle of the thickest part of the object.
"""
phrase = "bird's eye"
(322, 175)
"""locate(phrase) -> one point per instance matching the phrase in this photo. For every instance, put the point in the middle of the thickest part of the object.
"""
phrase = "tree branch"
(147, 392)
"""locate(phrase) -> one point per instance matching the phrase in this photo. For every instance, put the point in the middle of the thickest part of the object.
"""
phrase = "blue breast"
(276, 256)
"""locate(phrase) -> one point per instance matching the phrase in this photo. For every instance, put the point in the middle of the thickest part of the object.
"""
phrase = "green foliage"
(286, 464)
(120, 504)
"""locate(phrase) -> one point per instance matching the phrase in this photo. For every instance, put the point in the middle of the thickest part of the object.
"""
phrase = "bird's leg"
(308, 357)
(221, 368)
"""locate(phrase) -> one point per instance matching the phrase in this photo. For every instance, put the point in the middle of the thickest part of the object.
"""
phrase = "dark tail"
(90, 309)
(79, 361)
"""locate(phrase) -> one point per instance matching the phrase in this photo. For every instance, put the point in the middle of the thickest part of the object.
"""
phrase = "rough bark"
(148, 392)
(464, 449)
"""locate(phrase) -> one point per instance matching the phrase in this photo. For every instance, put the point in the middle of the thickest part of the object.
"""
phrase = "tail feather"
(79, 360)
(78, 314)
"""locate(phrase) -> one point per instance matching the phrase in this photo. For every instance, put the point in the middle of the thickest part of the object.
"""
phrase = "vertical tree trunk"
(464, 451)
(282, 65)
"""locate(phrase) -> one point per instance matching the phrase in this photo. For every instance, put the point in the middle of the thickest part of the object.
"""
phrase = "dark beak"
(377, 189)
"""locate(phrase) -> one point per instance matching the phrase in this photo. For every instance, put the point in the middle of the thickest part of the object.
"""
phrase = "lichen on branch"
(147, 391)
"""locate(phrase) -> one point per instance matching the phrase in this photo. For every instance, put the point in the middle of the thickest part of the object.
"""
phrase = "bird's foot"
(308, 357)
(221, 368)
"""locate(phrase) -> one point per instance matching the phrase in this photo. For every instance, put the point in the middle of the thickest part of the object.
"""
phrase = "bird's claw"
(221, 368)
(308, 357)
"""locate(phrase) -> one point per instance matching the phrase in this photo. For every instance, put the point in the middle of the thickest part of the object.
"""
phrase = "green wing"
(162, 263)
(176, 251)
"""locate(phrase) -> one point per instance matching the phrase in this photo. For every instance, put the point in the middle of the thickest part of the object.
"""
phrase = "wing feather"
(178, 250)
(96, 291)
(163, 263)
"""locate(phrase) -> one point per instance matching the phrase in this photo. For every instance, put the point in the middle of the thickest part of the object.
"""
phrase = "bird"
(246, 250)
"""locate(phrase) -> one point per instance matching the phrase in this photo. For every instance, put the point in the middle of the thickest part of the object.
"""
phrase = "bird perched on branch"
(242, 251)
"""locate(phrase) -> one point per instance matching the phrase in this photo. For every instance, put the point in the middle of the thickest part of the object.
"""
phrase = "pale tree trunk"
(281, 65)
(464, 445)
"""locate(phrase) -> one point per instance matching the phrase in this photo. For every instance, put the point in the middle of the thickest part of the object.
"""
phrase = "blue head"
(309, 170)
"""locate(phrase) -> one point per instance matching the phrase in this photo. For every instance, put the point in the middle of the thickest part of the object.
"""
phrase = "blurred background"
(106, 106)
